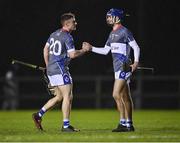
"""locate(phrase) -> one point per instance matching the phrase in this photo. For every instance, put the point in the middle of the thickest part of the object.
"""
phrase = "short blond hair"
(66, 16)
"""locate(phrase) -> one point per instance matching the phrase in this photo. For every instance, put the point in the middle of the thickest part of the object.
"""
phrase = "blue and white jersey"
(119, 42)
(60, 43)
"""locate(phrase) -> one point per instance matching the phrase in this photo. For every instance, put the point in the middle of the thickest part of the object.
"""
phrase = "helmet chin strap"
(116, 20)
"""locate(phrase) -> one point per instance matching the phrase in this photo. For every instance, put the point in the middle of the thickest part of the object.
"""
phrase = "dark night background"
(26, 25)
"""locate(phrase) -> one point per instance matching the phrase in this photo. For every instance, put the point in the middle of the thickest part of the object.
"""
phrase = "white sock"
(41, 112)
(122, 122)
(129, 123)
(65, 123)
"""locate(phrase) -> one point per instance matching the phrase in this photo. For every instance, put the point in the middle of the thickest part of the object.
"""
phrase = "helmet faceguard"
(114, 16)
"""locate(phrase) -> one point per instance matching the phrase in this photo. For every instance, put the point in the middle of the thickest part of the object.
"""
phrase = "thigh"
(118, 86)
(66, 90)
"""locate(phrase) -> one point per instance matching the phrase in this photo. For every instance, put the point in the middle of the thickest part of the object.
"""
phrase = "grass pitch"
(95, 126)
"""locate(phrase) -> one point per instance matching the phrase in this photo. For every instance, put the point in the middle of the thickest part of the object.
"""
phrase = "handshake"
(86, 47)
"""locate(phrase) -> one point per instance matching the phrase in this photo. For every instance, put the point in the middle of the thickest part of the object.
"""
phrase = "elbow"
(106, 53)
(138, 48)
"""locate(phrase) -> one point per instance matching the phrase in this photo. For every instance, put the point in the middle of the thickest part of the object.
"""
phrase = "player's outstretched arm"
(99, 50)
(76, 53)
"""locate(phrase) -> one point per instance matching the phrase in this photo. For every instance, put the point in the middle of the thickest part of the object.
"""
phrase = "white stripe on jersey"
(118, 48)
(70, 50)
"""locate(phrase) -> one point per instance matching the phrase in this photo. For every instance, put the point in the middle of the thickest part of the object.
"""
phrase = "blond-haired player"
(58, 52)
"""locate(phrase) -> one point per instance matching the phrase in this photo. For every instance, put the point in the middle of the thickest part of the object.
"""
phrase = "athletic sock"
(65, 123)
(129, 123)
(41, 112)
(122, 122)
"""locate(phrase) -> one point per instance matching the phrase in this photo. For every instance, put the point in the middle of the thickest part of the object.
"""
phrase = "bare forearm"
(76, 53)
(80, 52)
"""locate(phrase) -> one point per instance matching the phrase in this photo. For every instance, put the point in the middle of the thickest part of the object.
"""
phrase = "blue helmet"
(116, 14)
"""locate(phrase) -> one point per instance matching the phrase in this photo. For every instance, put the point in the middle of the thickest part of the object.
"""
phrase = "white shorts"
(60, 79)
(123, 75)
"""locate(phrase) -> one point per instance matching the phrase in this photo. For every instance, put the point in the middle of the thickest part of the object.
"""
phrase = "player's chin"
(110, 24)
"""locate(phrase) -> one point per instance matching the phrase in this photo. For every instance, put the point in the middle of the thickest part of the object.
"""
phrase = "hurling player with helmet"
(120, 42)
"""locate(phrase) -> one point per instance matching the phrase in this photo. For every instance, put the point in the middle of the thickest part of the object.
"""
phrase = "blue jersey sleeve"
(129, 36)
(49, 39)
(108, 42)
(69, 44)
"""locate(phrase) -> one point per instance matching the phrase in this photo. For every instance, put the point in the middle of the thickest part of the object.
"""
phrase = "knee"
(116, 96)
(67, 98)
(126, 98)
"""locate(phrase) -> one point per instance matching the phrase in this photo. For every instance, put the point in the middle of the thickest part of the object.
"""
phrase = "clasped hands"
(86, 46)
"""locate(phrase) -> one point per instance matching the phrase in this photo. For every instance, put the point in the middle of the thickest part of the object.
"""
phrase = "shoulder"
(56, 33)
(65, 34)
(125, 31)
(68, 37)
